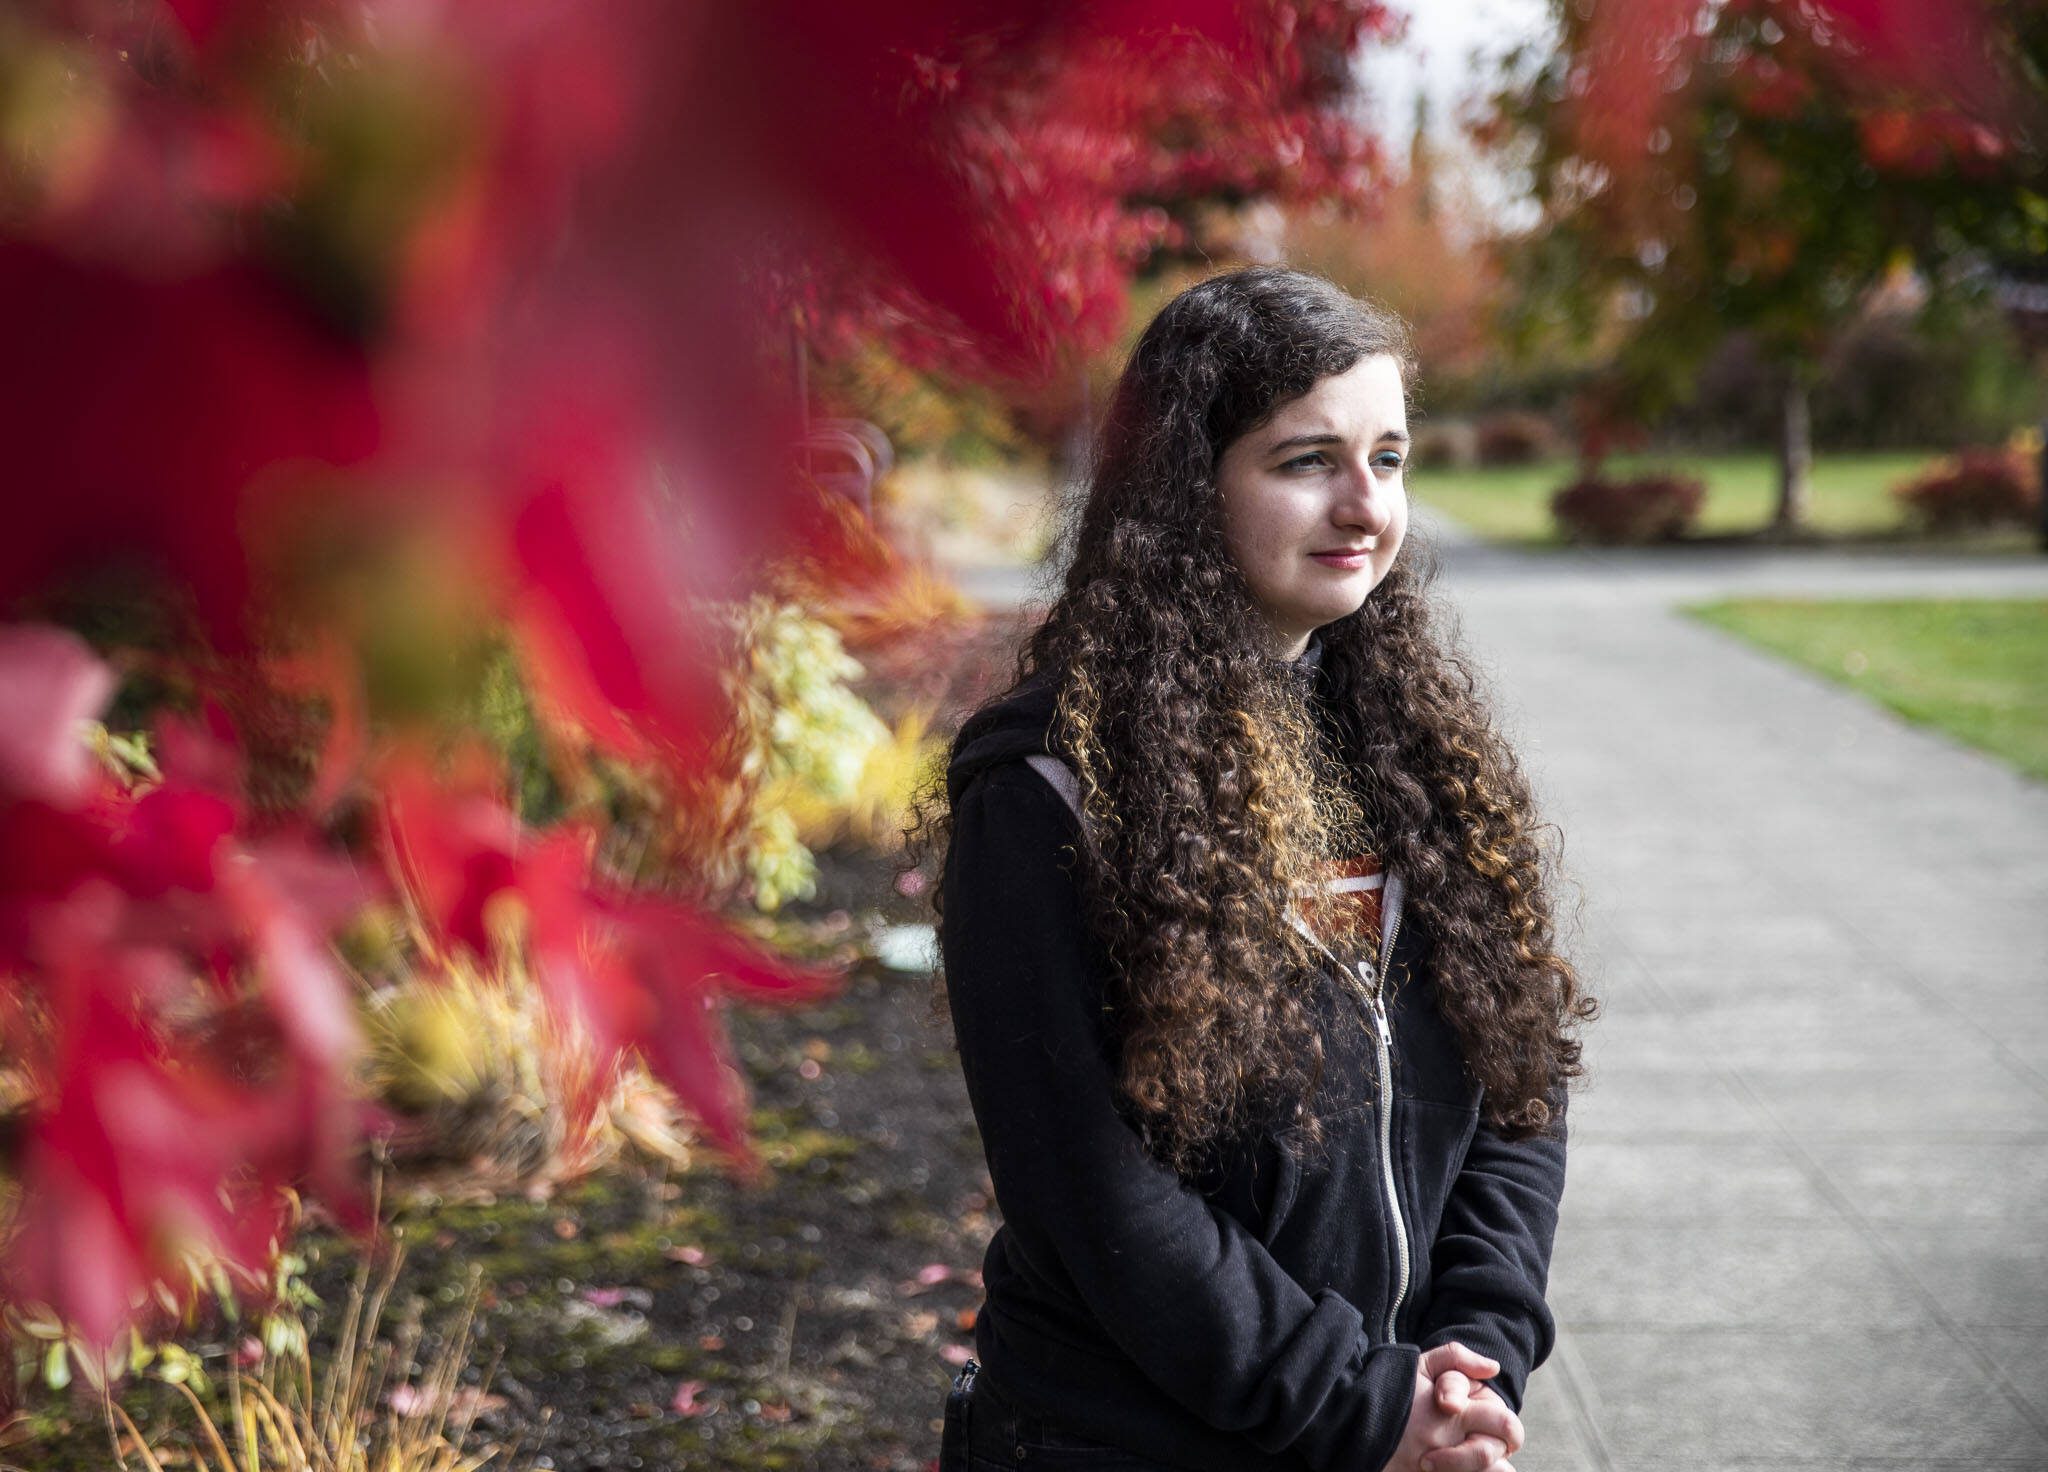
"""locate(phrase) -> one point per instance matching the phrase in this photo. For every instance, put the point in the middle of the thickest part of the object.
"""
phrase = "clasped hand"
(1455, 1425)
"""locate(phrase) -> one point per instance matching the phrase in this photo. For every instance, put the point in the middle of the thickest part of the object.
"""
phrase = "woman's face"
(1314, 508)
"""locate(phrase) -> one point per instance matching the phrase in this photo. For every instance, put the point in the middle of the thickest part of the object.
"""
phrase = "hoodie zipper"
(1391, 895)
(1383, 1037)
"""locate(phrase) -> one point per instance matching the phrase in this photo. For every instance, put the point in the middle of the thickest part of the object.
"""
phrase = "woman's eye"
(1313, 459)
(1388, 460)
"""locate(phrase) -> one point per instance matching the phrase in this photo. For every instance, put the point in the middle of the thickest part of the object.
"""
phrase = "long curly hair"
(1211, 793)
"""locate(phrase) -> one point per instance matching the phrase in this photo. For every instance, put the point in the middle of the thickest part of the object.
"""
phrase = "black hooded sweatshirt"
(1271, 1312)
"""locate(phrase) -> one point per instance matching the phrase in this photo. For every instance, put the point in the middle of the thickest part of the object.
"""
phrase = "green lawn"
(1851, 495)
(1974, 668)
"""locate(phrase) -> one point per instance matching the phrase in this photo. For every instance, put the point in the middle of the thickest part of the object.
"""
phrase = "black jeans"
(985, 1433)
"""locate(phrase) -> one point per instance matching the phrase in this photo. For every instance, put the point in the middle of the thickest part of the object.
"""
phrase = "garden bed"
(642, 1319)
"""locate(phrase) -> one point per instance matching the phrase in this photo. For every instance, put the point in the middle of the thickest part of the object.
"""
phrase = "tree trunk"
(1795, 456)
(2041, 471)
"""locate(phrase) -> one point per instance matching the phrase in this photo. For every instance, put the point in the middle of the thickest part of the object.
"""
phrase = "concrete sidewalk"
(1804, 1223)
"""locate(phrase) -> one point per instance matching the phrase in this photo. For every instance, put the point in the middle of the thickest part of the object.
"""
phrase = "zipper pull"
(1379, 1006)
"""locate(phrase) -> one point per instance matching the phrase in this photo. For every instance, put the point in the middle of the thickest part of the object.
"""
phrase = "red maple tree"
(306, 296)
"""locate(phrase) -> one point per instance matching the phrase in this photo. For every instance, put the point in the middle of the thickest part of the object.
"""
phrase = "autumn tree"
(1423, 252)
(1765, 165)
(1109, 159)
(345, 341)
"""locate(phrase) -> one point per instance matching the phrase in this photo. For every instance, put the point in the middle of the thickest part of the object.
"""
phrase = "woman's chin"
(1330, 610)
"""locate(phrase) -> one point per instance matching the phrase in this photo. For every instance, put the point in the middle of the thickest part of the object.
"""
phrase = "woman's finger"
(1454, 1356)
(1491, 1417)
(1453, 1389)
(1473, 1454)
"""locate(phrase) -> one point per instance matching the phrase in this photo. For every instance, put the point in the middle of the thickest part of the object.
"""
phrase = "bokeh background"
(506, 501)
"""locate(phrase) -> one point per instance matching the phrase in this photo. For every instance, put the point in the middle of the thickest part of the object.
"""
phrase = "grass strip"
(1974, 668)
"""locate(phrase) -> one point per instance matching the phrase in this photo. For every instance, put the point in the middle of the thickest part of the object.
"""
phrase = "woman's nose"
(1364, 504)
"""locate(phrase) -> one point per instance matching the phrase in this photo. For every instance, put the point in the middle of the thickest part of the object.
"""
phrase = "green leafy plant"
(365, 1415)
(50, 1355)
(809, 739)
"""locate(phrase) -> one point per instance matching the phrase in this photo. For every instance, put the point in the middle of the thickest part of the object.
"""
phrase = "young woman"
(1248, 947)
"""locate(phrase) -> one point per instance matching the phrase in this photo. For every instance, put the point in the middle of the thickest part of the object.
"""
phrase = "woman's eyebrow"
(1304, 442)
(1325, 437)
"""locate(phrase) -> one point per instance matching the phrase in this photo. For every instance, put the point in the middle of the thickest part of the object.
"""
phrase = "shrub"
(806, 729)
(1976, 489)
(1650, 508)
(488, 1087)
(1516, 437)
(871, 813)
(1445, 443)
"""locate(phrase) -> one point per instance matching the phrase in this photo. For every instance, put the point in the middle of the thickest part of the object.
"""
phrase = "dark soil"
(801, 1307)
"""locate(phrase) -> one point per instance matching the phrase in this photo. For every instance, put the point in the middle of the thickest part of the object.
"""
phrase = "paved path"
(1806, 1224)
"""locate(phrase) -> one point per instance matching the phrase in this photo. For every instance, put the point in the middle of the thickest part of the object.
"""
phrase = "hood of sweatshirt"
(1011, 729)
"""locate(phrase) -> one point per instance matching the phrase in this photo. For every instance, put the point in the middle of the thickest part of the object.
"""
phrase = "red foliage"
(1922, 142)
(596, 575)
(1650, 508)
(38, 752)
(289, 300)
(171, 1000)
(151, 424)
(1515, 437)
(1978, 489)
(1924, 71)
(642, 972)
(1094, 150)
(1603, 422)
(125, 1170)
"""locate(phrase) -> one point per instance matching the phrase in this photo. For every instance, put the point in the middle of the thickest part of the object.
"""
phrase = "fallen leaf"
(613, 1297)
(463, 1401)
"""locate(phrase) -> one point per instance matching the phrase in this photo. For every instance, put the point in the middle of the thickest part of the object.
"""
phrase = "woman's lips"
(1350, 560)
